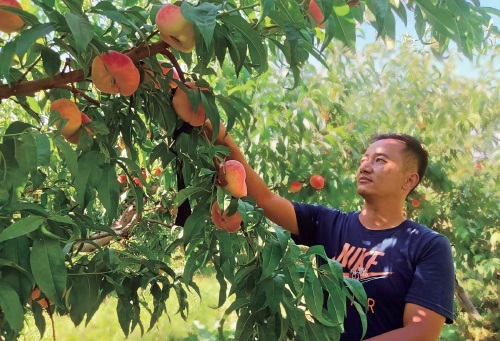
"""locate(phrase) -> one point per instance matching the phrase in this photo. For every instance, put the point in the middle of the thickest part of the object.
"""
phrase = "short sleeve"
(433, 284)
(307, 221)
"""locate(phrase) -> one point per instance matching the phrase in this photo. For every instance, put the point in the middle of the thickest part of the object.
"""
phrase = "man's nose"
(365, 167)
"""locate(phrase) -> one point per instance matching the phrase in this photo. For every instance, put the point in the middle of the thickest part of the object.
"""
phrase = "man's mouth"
(364, 179)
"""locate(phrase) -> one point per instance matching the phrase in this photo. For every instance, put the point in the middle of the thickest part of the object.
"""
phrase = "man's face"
(381, 170)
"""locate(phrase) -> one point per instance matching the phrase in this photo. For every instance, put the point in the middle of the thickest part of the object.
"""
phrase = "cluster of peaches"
(114, 72)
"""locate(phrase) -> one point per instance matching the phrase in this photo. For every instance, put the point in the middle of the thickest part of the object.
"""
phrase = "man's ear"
(411, 181)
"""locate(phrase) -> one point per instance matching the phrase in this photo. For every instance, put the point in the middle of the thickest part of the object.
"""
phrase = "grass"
(201, 323)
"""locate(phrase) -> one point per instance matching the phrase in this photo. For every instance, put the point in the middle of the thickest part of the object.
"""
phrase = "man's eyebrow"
(377, 154)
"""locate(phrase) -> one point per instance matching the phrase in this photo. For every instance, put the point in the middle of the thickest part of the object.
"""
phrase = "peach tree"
(107, 170)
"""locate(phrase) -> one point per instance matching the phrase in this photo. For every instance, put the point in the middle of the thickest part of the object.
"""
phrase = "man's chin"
(363, 192)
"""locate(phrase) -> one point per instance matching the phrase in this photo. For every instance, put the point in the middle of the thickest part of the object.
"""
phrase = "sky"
(465, 67)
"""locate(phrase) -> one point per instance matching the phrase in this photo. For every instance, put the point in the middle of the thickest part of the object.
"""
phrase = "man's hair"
(414, 152)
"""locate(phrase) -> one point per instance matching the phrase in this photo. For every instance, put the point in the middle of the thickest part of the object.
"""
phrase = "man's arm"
(419, 324)
(276, 208)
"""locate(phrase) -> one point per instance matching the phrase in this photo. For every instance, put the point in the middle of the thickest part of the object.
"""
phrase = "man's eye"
(379, 159)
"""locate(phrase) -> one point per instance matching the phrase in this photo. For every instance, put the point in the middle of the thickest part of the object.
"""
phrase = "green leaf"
(400, 10)
(51, 61)
(265, 7)
(82, 30)
(194, 262)
(274, 293)
(28, 37)
(108, 191)
(84, 295)
(12, 310)
(15, 266)
(244, 326)
(194, 224)
(336, 298)
(379, 9)
(26, 152)
(203, 16)
(185, 193)
(22, 227)
(357, 290)
(271, 257)
(342, 27)
(6, 56)
(68, 154)
(315, 331)
(49, 269)
(256, 47)
(313, 294)
(440, 19)
(42, 149)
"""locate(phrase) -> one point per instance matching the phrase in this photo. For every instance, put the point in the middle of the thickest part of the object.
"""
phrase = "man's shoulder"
(414, 228)
(425, 238)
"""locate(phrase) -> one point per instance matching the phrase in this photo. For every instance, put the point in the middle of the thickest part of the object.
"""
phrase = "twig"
(29, 69)
(76, 91)
(175, 63)
(153, 221)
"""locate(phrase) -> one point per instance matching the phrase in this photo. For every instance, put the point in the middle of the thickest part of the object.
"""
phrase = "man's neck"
(381, 216)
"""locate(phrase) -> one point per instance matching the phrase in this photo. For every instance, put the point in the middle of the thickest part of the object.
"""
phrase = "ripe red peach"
(317, 182)
(10, 21)
(315, 12)
(175, 29)
(70, 111)
(295, 187)
(115, 73)
(232, 177)
(183, 108)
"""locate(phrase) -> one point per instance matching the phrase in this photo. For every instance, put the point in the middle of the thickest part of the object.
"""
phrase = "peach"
(68, 110)
(317, 181)
(184, 109)
(224, 222)
(10, 21)
(315, 12)
(295, 187)
(74, 137)
(35, 297)
(174, 29)
(85, 119)
(115, 73)
(122, 178)
(232, 177)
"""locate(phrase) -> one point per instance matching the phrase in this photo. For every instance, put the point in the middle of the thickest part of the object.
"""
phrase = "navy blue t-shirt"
(408, 263)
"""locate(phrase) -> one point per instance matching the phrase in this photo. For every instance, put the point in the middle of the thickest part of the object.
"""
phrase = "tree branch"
(122, 225)
(34, 86)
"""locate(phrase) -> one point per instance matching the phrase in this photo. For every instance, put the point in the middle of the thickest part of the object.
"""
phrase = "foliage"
(54, 197)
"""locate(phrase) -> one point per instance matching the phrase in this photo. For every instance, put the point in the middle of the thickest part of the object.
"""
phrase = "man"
(406, 269)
